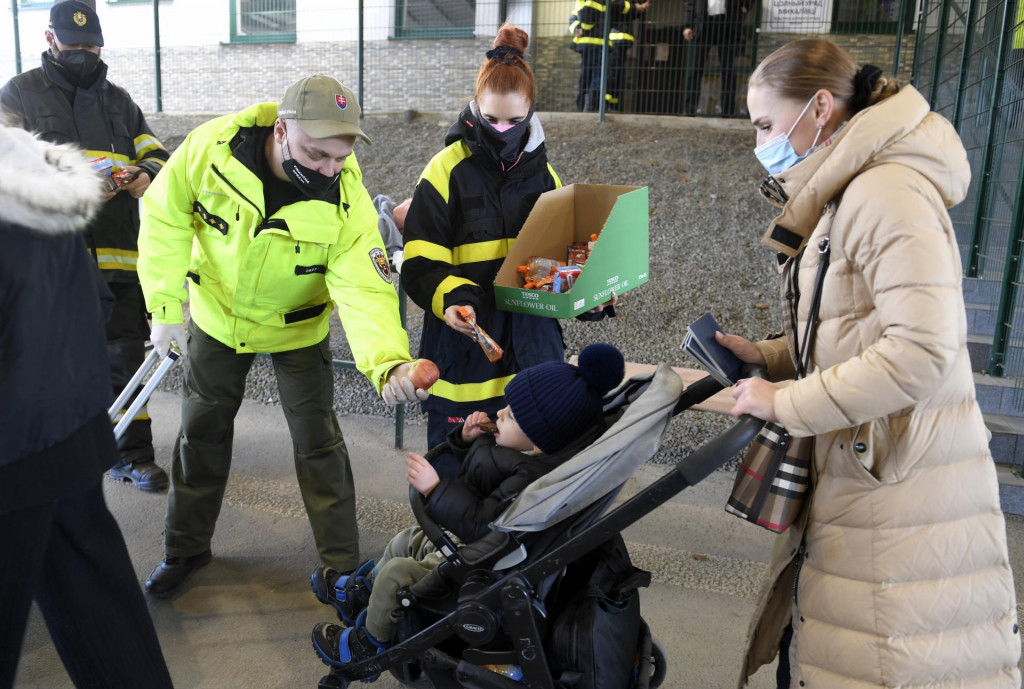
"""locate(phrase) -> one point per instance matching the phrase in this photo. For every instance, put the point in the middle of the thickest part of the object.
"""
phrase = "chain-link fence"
(671, 57)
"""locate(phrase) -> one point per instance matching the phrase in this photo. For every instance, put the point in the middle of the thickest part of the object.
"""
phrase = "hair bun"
(602, 366)
(512, 37)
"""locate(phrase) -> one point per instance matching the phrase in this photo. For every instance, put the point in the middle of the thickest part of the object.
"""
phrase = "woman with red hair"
(470, 203)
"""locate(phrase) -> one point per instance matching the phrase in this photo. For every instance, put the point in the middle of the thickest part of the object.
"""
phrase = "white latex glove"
(163, 335)
(399, 389)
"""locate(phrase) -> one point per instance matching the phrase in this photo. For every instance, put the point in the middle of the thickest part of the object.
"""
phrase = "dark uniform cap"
(76, 22)
(323, 107)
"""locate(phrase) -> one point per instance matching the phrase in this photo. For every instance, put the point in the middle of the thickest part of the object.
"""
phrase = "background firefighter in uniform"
(266, 213)
(469, 205)
(69, 100)
(586, 24)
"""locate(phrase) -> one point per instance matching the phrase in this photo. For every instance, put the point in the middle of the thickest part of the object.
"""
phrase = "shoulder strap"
(803, 350)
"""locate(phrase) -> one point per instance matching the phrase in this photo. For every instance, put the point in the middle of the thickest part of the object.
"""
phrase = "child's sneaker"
(348, 594)
(341, 646)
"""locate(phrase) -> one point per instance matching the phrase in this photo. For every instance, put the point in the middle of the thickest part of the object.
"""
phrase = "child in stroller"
(549, 406)
(550, 590)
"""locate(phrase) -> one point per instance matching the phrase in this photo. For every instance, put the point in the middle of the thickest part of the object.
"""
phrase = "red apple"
(423, 373)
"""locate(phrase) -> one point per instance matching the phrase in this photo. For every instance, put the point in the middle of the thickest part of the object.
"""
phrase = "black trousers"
(723, 35)
(69, 555)
(127, 332)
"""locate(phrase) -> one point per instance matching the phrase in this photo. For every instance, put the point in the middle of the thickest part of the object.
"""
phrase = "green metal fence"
(666, 57)
(970, 57)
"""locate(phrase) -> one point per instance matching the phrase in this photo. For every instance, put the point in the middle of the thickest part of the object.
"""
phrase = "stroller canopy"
(602, 467)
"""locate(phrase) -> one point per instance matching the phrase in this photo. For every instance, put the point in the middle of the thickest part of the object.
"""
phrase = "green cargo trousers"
(409, 557)
(214, 381)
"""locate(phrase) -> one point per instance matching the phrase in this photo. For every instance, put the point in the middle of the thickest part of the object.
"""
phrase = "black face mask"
(310, 182)
(80, 67)
(507, 145)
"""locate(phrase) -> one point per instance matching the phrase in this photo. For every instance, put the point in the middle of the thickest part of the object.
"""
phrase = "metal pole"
(984, 185)
(157, 82)
(400, 408)
(144, 394)
(940, 46)
(918, 43)
(965, 64)
(900, 28)
(17, 37)
(604, 58)
(1013, 252)
(359, 60)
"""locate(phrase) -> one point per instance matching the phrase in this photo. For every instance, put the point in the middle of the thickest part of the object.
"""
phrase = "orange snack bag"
(490, 347)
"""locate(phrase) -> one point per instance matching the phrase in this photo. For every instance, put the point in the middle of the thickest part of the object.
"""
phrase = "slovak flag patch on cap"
(341, 101)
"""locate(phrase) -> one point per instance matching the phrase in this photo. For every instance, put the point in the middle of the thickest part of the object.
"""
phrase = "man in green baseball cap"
(323, 107)
(266, 213)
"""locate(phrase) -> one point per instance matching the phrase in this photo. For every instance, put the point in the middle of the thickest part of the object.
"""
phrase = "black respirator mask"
(310, 182)
(79, 66)
(508, 144)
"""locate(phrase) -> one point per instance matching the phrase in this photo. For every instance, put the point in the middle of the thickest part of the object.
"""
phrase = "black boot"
(167, 577)
(341, 646)
(144, 473)
(348, 594)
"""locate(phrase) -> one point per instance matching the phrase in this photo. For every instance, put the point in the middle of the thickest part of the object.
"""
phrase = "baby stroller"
(549, 598)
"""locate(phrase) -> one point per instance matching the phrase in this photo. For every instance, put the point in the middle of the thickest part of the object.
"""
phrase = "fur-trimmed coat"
(55, 436)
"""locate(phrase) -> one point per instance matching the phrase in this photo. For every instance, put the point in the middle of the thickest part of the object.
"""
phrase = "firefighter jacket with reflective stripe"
(262, 284)
(105, 121)
(588, 15)
(466, 213)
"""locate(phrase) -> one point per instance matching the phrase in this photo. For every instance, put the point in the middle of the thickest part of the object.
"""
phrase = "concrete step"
(981, 291)
(1007, 443)
(979, 348)
(981, 317)
(1007, 448)
(998, 395)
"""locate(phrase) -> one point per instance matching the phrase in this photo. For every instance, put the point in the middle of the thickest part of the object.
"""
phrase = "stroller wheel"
(659, 663)
(332, 681)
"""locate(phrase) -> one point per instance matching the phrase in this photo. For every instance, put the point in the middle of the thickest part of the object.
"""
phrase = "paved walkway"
(244, 620)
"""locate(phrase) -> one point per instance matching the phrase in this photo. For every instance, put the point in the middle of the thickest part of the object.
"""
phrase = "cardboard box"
(619, 261)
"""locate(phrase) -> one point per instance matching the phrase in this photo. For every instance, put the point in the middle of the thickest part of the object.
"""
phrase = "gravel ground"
(706, 221)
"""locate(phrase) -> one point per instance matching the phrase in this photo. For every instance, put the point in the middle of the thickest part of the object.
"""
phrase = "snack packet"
(105, 168)
(490, 347)
(565, 278)
(538, 271)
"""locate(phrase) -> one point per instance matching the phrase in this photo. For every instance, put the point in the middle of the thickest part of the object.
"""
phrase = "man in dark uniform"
(713, 24)
(69, 100)
(587, 26)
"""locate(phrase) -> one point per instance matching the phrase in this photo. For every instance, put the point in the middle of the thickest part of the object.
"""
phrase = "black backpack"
(598, 639)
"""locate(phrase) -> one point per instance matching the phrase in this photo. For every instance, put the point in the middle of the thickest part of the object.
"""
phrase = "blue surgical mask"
(778, 155)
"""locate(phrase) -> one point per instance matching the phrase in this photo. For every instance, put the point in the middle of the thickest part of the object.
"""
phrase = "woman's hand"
(756, 397)
(420, 474)
(471, 429)
(610, 303)
(456, 322)
(745, 350)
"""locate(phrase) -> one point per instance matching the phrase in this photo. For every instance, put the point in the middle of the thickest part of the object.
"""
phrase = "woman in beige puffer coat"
(897, 573)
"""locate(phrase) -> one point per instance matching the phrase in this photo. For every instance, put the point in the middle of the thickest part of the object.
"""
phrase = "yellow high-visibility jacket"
(263, 284)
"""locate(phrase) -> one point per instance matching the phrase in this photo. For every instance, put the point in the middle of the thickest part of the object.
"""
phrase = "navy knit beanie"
(555, 402)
